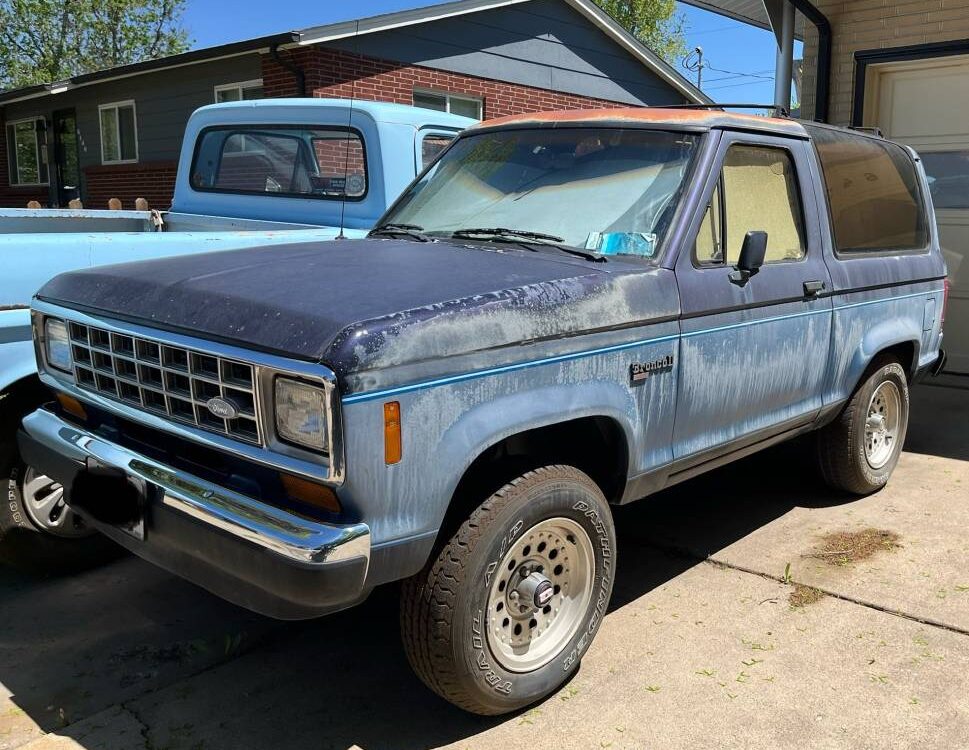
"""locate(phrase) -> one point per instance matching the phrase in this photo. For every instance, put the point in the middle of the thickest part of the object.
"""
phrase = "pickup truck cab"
(250, 174)
(565, 311)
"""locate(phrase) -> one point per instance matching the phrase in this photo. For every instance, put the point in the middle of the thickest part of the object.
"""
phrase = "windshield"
(608, 190)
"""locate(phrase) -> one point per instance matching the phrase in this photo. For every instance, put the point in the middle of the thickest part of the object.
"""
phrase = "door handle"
(813, 288)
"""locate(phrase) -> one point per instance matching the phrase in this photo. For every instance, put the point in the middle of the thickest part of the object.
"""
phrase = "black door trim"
(866, 57)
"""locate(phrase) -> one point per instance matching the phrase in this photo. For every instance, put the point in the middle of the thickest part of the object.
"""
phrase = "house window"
(27, 152)
(119, 133)
(238, 92)
(456, 104)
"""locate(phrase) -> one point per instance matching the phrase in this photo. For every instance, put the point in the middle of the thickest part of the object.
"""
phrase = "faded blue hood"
(362, 304)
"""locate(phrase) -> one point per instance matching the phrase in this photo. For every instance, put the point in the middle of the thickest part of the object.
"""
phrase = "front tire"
(38, 532)
(502, 615)
(857, 453)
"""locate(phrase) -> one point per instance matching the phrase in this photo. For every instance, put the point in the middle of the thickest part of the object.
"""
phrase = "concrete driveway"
(701, 648)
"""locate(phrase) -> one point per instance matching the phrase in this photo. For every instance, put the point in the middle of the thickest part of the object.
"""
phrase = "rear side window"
(873, 193)
(307, 162)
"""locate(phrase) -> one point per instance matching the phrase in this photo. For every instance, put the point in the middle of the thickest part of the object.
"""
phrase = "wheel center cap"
(535, 589)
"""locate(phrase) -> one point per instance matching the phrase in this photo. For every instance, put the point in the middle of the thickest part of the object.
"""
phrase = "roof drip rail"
(877, 132)
(779, 111)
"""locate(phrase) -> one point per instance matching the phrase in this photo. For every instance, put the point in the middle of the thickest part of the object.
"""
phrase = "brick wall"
(875, 24)
(12, 196)
(333, 73)
(154, 181)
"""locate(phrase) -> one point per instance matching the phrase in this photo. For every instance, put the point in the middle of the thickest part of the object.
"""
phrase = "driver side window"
(757, 190)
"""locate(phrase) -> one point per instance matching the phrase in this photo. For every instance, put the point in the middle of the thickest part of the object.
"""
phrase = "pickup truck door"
(753, 357)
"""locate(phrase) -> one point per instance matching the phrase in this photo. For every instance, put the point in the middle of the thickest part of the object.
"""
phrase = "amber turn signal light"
(393, 447)
(310, 493)
(72, 406)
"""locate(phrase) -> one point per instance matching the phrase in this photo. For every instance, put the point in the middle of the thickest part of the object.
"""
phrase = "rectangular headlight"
(301, 413)
(58, 344)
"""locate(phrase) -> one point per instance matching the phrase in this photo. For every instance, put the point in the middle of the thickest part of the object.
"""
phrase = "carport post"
(781, 15)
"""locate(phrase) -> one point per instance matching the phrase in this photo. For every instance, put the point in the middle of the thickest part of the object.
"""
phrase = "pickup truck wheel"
(38, 532)
(501, 617)
(858, 451)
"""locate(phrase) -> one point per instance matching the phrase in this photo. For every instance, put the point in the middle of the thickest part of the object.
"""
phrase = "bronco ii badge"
(222, 408)
(639, 371)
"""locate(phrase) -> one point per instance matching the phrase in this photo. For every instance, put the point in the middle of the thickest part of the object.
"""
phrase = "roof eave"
(193, 57)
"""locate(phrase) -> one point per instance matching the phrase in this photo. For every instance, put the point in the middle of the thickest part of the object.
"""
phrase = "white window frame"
(241, 85)
(134, 114)
(448, 96)
(12, 166)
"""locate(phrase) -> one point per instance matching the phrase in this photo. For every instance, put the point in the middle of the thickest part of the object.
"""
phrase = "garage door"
(926, 105)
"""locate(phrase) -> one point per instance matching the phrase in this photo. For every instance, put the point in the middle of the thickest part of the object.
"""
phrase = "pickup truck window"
(326, 163)
(757, 190)
(873, 193)
(432, 145)
(610, 190)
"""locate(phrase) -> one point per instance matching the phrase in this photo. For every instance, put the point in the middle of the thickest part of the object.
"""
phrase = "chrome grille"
(166, 380)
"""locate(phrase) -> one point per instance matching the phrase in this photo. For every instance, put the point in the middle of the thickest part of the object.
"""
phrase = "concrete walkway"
(701, 647)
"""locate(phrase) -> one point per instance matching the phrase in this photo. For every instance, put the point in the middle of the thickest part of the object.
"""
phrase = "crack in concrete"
(714, 560)
(145, 729)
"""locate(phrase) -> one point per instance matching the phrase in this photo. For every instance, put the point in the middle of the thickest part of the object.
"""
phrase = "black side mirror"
(752, 254)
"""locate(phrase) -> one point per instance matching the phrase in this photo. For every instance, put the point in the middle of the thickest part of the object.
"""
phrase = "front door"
(67, 172)
(925, 104)
(753, 357)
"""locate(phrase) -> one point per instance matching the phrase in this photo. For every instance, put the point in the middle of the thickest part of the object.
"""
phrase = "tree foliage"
(655, 23)
(42, 41)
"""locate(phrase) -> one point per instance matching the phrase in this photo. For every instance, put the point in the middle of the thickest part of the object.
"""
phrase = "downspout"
(292, 67)
(823, 73)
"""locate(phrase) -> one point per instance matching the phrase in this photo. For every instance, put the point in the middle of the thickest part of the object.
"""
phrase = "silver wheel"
(540, 594)
(43, 501)
(882, 424)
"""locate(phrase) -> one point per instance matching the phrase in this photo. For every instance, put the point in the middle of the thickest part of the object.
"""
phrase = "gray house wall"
(545, 44)
(163, 102)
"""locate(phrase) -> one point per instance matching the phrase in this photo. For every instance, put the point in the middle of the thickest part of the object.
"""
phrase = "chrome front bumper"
(244, 550)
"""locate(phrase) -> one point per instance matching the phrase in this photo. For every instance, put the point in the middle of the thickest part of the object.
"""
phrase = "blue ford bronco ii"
(564, 312)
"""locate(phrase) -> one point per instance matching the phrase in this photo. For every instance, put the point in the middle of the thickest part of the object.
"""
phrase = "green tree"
(42, 41)
(655, 23)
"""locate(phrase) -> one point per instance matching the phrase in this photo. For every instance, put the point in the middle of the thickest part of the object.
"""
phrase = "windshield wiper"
(527, 239)
(391, 229)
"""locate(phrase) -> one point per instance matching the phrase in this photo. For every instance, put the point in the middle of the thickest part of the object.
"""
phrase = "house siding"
(163, 103)
(543, 44)
(874, 24)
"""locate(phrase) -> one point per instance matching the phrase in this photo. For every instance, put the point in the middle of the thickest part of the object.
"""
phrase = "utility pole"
(699, 67)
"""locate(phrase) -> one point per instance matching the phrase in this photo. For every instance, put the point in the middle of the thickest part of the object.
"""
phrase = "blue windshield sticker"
(622, 243)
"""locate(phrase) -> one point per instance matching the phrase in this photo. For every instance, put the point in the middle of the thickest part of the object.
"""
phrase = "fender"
(17, 359)
(490, 422)
(881, 336)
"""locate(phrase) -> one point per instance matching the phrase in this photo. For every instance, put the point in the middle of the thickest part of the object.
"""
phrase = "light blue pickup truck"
(259, 173)
(565, 311)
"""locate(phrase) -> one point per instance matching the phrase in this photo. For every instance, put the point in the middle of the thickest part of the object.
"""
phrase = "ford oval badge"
(222, 408)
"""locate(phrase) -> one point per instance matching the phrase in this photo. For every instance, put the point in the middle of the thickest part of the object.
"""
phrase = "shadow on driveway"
(198, 670)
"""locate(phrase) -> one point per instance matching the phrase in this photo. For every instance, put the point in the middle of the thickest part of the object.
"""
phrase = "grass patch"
(844, 547)
(803, 595)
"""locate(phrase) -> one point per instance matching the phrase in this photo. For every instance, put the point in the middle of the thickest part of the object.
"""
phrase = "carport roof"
(751, 12)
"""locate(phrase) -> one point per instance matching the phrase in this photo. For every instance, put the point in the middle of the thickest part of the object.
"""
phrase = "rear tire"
(502, 615)
(857, 453)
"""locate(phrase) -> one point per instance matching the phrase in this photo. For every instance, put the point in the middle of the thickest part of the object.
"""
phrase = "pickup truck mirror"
(752, 254)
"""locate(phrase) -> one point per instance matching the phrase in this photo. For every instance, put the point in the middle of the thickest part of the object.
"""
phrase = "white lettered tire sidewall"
(580, 501)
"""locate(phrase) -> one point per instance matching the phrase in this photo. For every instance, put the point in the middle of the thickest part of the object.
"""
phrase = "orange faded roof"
(706, 118)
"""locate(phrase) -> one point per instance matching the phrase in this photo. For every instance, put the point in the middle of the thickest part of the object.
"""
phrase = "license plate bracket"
(110, 496)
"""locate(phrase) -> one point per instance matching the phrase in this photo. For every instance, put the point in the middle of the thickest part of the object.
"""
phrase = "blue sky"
(746, 53)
